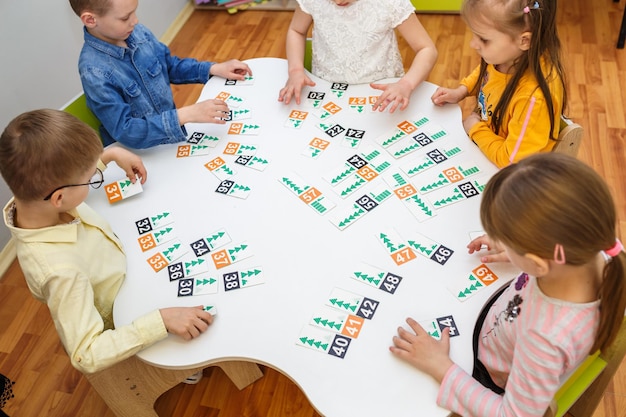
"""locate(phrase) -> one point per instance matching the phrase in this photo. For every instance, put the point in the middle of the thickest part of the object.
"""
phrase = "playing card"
(197, 286)
(468, 285)
(243, 279)
(214, 240)
(237, 114)
(376, 277)
(233, 189)
(200, 138)
(352, 303)
(147, 224)
(122, 189)
(220, 168)
(315, 99)
(172, 251)
(339, 89)
(252, 161)
(236, 148)
(296, 118)
(315, 148)
(327, 110)
(186, 269)
(337, 322)
(324, 341)
(230, 254)
(248, 80)
(239, 128)
(428, 160)
(184, 151)
(229, 99)
(155, 238)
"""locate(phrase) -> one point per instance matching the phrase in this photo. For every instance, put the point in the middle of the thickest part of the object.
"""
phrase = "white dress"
(356, 43)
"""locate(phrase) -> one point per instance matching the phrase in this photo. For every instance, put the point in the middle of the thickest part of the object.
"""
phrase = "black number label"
(176, 271)
(335, 130)
(356, 161)
(195, 137)
(339, 86)
(367, 203)
(442, 254)
(355, 133)
(228, 116)
(339, 346)
(390, 283)
(243, 159)
(316, 95)
(436, 156)
(200, 247)
(468, 189)
(185, 287)
(448, 321)
(143, 226)
(225, 187)
(367, 309)
(231, 281)
(422, 139)
(230, 82)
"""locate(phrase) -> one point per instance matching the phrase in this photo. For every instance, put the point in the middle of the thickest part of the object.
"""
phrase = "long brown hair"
(508, 16)
(549, 199)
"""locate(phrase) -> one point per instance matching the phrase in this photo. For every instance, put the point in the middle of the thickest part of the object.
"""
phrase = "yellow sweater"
(498, 148)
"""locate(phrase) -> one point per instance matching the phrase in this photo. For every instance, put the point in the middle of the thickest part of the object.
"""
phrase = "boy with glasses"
(70, 257)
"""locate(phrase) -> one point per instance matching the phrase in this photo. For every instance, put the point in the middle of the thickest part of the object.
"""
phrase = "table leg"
(622, 32)
(131, 387)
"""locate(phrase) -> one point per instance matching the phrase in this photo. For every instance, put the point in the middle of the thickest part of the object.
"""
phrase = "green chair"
(78, 107)
(308, 54)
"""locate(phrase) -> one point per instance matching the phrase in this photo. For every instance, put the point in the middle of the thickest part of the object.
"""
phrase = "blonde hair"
(43, 149)
(551, 199)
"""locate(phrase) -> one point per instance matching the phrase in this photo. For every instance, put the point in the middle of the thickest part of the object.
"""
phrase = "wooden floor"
(30, 353)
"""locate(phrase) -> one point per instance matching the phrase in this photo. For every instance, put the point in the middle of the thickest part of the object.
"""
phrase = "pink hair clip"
(615, 250)
(559, 254)
(527, 8)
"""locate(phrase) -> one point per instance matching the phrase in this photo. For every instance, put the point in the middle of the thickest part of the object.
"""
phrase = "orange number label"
(183, 150)
(231, 148)
(319, 143)
(331, 107)
(356, 101)
(405, 191)
(367, 173)
(113, 193)
(403, 256)
(484, 274)
(223, 95)
(407, 127)
(220, 259)
(352, 327)
(235, 128)
(214, 164)
(453, 174)
(297, 114)
(310, 195)
(157, 262)
(146, 242)
(372, 99)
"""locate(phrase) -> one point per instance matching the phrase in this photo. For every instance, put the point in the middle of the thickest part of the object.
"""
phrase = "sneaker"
(193, 379)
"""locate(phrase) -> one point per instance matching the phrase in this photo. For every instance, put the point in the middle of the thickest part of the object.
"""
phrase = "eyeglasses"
(95, 182)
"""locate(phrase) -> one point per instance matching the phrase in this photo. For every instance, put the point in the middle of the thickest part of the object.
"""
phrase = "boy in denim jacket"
(126, 74)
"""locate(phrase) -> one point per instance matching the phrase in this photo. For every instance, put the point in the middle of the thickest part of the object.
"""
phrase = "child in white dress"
(354, 42)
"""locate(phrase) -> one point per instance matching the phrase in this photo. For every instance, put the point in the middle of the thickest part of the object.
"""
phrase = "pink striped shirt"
(529, 343)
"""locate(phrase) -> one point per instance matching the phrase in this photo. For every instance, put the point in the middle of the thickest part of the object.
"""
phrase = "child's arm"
(233, 70)
(397, 95)
(444, 95)
(186, 322)
(497, 255)
(128, 161)
(296, 40)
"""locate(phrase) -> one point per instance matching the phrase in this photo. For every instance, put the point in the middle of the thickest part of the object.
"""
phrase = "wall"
(40, 41)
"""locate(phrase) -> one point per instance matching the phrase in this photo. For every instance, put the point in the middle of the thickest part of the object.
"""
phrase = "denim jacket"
(128, 89)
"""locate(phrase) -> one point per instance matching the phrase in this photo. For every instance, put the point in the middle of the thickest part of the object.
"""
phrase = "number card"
(372, 157)
(239, 128)
(462, 191)
(231, 254)
(199, 138)
(247, 80)
(406, 192)
(152, 240)
(353, 138)
(219, 168)
(187, 269)
(122, 189)
(339, 89)
(315, 148)
(231, 100)
(243, 279)
(434, 327)
(252, 161)
(429, 248)
(196, 286)
(397, 248)
(183, 151)
(315, 98)
(215, 240)
(296, 118)
(236, 148)
(150, 223)
(331, 130)
(479, 278)
(327, 110)
(357, 103)
(324, 341)
(377, 278)
(237, 114)
(428, 160)
(233, 189)
(371, 101)
(361, 206)
(352, 303)
(162, 259)
(338, 322)
(308, 194)
(211, 309)
(445, 177)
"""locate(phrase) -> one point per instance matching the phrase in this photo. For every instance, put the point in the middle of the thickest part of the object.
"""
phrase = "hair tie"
(615, 250)
(559, 254)
(527, 9)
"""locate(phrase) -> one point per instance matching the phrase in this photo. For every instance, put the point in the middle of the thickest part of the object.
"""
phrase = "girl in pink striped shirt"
(554, 218)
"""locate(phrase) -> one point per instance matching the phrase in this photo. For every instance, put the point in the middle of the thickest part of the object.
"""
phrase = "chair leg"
(622, 32)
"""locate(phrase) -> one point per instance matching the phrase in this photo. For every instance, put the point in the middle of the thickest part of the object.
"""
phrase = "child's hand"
(207, 111)
(186, 322)
(293, 87)
(394, 95)
(422, 351)
(443, 95)
(128, 161)
(497, 255)
(470, 121)
(232, 70)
